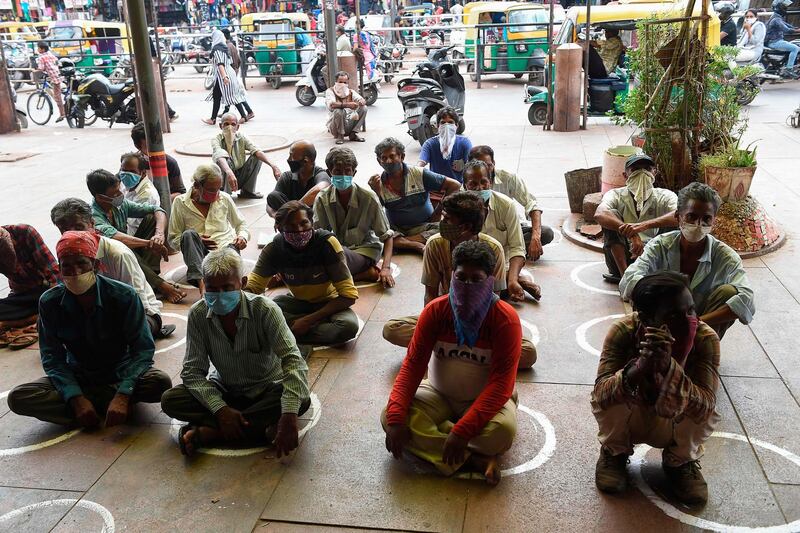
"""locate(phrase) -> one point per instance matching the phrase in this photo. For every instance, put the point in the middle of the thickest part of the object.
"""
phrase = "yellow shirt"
(223, 224)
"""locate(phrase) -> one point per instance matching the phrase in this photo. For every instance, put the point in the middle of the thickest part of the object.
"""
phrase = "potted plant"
(730, 172)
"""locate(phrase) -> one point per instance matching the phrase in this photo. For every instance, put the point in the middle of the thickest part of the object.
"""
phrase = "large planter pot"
(731, 183)
(614, 160)
(580, 182)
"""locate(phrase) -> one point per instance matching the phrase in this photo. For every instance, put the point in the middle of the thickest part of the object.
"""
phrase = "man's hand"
(159, 248)
(118, 410)
(84, 412)
(286, 438)
(454, 448)
(515, 291)
(240, 243)
(208, 242)
(301, 326)
(397, 436)
(231, 423)
(535, 249)
(657, 348)
(232, 182)
(352, 105)
(637, 246)
(375, 184)
(276, 172)
(158, 239)
(385, 277)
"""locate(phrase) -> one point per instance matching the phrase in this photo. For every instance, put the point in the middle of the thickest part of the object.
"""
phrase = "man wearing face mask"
(720, 287)
(96, 347)
(405, 193)
(632, 215)
(657, 384)
(465, 412)
(303, 181)
(203, 219)
(447, 152)
(111, 212)
(138, 187)
(313, 266)
(354, 214)
(347, 110)
(239, 158)
(258, 386)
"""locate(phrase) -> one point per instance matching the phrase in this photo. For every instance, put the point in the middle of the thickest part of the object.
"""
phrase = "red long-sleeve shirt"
(484, 374)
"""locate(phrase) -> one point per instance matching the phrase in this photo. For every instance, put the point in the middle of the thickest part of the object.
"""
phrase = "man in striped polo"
(259, 384)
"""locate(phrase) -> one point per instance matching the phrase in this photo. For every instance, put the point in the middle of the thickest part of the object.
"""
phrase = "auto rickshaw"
(607, 94)
(276, 53)
(18, 31)
(106, 41)
(517, 49)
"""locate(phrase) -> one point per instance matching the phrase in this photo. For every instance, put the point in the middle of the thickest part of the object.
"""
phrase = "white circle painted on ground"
(533, 331)
(4, 394)
(395, 273)
(558, 238)
(673, 512)
(178, 273)
(316, 407)
(175, 344)
(250, 204)
(580, 333)
(358, 333)
(539, 459)
(575, 277)
(19, 450)
(105, 514)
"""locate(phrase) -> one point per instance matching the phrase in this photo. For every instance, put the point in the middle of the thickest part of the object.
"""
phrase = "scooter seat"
(773, 51)
(115, 88)
(534, 90)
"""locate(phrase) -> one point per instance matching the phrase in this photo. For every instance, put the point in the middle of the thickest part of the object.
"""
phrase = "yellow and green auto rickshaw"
(93, 46)
(277, 54)
(519, 49)
(18, 31)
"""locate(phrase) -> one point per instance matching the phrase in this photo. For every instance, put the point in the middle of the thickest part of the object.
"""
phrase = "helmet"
(779, 6)
(726, 9)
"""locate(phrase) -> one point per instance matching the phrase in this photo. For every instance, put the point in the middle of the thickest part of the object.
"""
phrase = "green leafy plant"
(730, 157)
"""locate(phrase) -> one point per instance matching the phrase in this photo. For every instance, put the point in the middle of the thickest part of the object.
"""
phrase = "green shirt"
(109, 227)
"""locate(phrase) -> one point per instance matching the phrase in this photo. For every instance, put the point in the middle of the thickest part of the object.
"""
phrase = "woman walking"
(226, 88)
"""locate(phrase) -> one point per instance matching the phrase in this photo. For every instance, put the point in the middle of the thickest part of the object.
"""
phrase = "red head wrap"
(77, 243)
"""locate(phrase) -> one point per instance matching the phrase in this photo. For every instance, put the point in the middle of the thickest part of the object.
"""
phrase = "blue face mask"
(486, 194)
(342, 182)
(222, 303)
(129, 179)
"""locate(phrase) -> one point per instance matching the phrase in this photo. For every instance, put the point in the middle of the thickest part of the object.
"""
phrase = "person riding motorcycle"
(777, 27)
(727, 31)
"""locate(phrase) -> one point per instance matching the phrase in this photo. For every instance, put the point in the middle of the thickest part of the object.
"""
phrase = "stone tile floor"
(133, 478)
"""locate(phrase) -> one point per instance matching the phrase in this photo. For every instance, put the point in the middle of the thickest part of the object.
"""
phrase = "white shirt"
(343, 44)
(144, 193)
(223, 224)
(118, 262)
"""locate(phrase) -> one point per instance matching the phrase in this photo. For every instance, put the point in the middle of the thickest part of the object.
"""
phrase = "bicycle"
(40, 103)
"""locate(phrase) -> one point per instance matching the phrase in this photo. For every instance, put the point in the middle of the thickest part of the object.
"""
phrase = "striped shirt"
(689, 390)
(263, 352)
(317, 273)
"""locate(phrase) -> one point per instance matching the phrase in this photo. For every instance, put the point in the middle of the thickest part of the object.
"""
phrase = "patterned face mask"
(298, 239)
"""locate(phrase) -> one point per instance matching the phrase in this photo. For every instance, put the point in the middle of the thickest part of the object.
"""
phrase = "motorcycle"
(108, 101)
(313, 85)
(432, 41)
(199, 52)
(435, 83)
(18, 62)
(774, 63)
(747, 87)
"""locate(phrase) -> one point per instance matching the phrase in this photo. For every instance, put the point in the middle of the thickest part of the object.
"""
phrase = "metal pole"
(137, 22)
(157, 43)
(585, 111)
(393, 15)
(330, 41)
(548, 123)
(478, 54)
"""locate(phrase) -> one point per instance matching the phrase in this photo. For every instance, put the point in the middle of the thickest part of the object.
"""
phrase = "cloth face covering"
(449, 231)
(640, 183)
(129, 179)
(470, 303)
(295, 166)
(222, 303)
(208, 197)
(298, 239)
(81, 283)
(391, 168)
(342, 183)
(229, 132)
(694, 232)
(341, 90)
(485, 194)
(683, 331)
(447, 138)
(116, 201)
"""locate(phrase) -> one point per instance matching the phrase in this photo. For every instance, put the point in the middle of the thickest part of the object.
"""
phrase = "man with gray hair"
(203, 219)
(258, 386)
(347, 109)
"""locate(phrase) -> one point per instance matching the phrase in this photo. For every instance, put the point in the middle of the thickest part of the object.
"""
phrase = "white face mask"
(750, 20)
(640, 183)
(694, 232)
(447, 138)
(81, 283)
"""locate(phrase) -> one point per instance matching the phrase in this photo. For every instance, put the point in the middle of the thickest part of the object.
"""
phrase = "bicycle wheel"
(40, 108)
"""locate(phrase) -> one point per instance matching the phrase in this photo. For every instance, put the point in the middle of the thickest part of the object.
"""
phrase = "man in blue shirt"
(448, 152)
(777, 27)
(96, 347)
(404, 192)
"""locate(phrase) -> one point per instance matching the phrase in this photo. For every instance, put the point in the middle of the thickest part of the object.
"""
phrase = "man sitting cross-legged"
(657, 384)
(467, 408)
(258, 385)
(303, 181)
(116, 260)
(96, 348)
(462, 219)
(312, 264)
(354, 214)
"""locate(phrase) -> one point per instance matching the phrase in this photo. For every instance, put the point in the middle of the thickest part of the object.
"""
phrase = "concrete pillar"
(568, 88)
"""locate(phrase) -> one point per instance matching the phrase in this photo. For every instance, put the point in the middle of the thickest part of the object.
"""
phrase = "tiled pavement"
(341, 476)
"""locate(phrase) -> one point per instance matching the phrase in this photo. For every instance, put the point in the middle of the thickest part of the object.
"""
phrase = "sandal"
(182, 445)
(23, 341)
(5, 340)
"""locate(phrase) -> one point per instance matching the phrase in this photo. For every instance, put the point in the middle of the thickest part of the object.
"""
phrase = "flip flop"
(23, 341)
(182, 444)
(4, 339)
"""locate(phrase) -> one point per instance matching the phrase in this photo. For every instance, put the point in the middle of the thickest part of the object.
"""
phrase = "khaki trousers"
(622, 426)
(399, 331)
(432, 415)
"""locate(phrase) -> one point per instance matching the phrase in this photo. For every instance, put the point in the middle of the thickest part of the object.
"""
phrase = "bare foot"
(199, 436)
(487, 464)
(372, 274)
(171, 292)
(533, 289)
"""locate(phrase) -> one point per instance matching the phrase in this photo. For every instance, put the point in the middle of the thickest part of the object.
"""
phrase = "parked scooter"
(18, 61)
(774, 63)
(434, 84)
(108, 101)
(313, 85)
